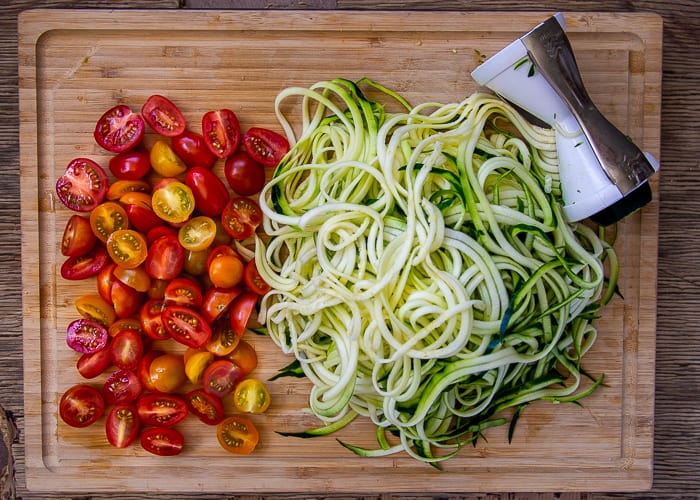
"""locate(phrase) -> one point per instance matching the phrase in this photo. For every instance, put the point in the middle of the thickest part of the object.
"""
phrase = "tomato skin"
(253, 281)
(191, 148)
(85, 266)
(142, 218)
(183, 292)
(86, 336)
(127, 350)
(127, 248)
(163, 116)
(164, 160)
(173, 201)
(162, 441)
(226, 271)
(223, 339)
(158, 231)
(186, 326)
(217, 301)
(251, 396)
(78, 238)
(237, 434)
(244, 356)
(210, 193)
(221, 377)
(244, 175)
(130, 165)
(126, 300)
(265, 146)
(120, 187)
(241, 217)
(136, 278)
(165, 258)
(207, 408)
(92, 365)
(195, 364)
(81, 405)
(124, 324)
(222, 132)
(167, 372)
(144, 370)
(83, 185)
(161, 409)
(119, 129)
(122, 386)
(122, 425)
(241, 310)
(106, 218)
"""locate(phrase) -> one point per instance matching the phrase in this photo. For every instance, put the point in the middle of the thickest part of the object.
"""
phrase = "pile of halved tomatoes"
(162, 239)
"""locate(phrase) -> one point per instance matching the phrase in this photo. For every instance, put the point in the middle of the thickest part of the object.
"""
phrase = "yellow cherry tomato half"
(198, 233)
(251, 396)
(196, 364)
(94, 307)
(127, 248)
(173, 201)
(165, 161)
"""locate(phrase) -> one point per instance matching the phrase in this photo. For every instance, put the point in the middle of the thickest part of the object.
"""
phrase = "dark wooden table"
(677, 404)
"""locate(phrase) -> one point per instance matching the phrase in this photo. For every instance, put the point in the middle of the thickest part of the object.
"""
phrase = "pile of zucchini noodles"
(422, 272)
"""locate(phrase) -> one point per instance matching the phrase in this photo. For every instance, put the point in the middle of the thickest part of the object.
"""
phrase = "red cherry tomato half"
(191, 148)
(241, 310)
(221, 377)
(127, 350)
(161, 409)
(163, 116)
(152, 321)
(207, 408)
(86, 336)
(265, 146)
(165, 258)
(91, 365)
(186, 326)
(122, 386)
(81, 405)
(83, 185)
(122, 425)
(183, 292)
(130, 165)
(86, 265)
(119, 129)
(210, 193)
(241, 217)
(245, 175)
(253, 281)
(78, 238)
(163, 441)
(221, 131)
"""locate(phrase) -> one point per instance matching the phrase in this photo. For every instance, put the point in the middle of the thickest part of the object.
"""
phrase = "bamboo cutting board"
(73, 65)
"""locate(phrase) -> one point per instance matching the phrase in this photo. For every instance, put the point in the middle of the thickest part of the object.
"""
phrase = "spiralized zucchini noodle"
(423, 275)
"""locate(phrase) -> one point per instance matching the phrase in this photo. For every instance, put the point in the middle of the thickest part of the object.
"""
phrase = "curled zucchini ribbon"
(422, 273)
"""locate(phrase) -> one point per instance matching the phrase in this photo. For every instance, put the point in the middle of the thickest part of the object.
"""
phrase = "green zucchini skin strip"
(423, 275)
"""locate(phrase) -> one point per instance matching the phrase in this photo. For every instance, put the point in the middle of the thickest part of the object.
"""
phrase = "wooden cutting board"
(73, 65)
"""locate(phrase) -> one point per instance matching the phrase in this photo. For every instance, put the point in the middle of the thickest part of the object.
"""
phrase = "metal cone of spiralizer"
(603, 173)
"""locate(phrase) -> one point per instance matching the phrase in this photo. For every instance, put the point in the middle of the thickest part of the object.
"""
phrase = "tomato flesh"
(119, 129)
(81, 405)
(106, 218)
(221, 377)
(241, 217)
(86, 336)
(122, 386)
(122, 425)
(206, 407)
(253, 281)
(173, 202)
(163, 116)
(221, 131)
(183, 292)
(237, 434)
(127, 248)
(265, 146)
(251, 396)
(161, 409)
(163, 441)
(78, 238)
(165, 258)
(186, 326)
(127, 349)
(82, 186)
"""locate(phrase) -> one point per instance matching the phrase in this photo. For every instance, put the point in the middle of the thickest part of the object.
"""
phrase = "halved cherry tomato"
(78, 238)
(117, 189)
(167, 372)
(186, 326)
(244, 356)
(163, 116)
(122, 425)
(130, 165)
(191, 148)
(210, 193)
(241, 217)
(226, 271)
(86, 336)
(217, 301)
(221, 377)
(207, 408)
(164, 160)
(241, 310)
(126, 300)
(82, 186)
(86, 265)
(81, 405)
(127, 248)
(161, 409)
(122, 386)
(105, 278)
(173, 202)
(237, 434)
(251, 396)
(163, 441)
(245, 175)
(127, 350)
(119, 129)
(124, 324)
(94, 307)
(253, 281)
(152, 321)
(144, 369)
(265, 146)
(137, 277)
(221, 131)
(91, 365)
(165, 258)
(106, 218)
(183, 292)
(198, 233)
(195, 364)
(223, 339)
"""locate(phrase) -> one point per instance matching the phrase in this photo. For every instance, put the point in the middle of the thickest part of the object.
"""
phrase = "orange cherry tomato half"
(128, 248)
(124, 324)
(238, 435)
(106, 218)
(78, 238)
(94, 307)
(251, 396)
(120, 187)
(164, 160)
(244, 356)
(223, 339)
(137, 277)
(167, 372)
